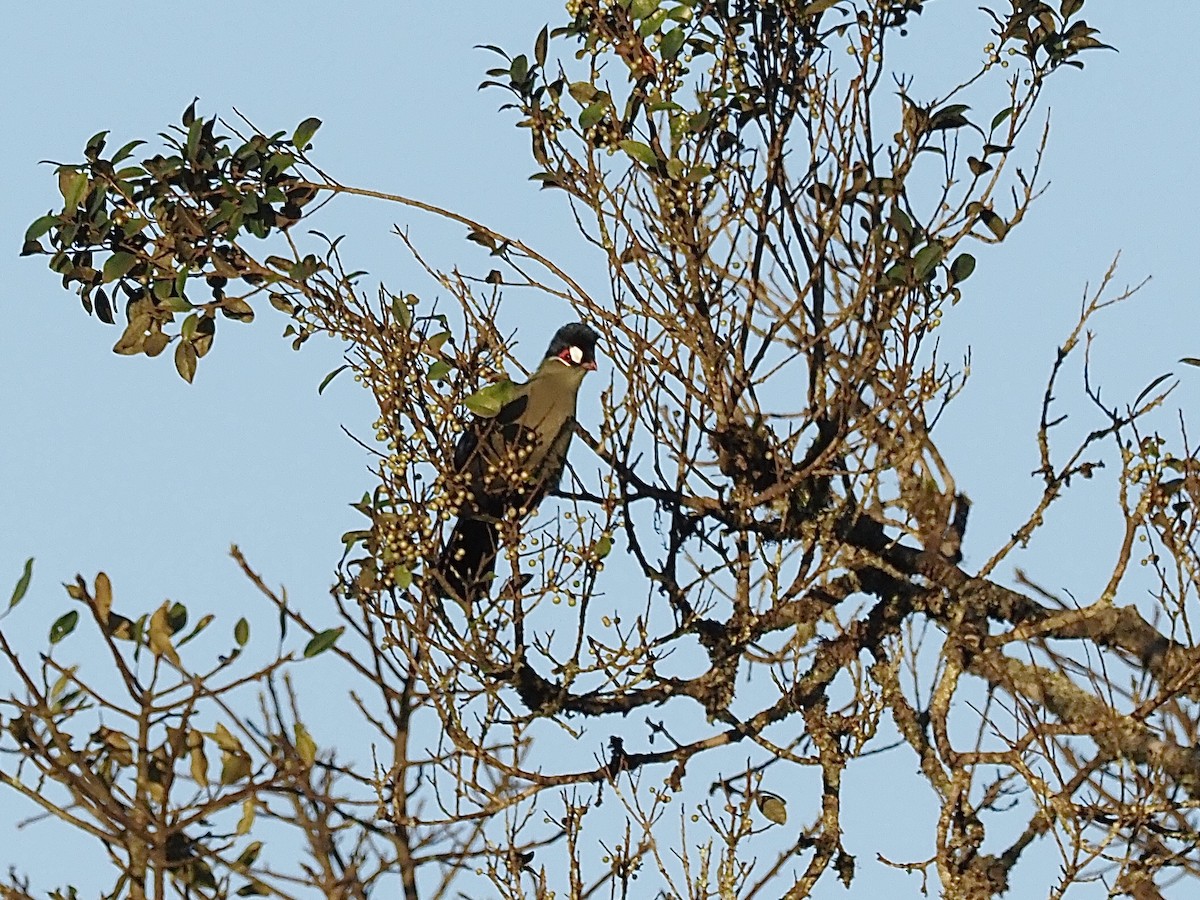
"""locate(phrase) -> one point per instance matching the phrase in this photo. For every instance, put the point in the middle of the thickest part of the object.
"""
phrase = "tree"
(783, 225)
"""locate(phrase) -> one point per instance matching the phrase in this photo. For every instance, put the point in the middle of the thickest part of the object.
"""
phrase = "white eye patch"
(576, 355)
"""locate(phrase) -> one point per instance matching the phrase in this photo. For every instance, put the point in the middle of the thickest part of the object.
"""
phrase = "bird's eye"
(576, 355)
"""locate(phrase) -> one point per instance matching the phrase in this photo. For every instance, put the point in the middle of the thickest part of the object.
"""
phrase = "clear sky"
(114, 463)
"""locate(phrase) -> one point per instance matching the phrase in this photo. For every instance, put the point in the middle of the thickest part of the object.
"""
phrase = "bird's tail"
(469, 560)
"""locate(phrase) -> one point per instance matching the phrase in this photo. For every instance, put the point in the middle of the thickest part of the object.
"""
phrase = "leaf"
(117, 265)
(652, 23)
(185, 360)
(639, 9)
(154, 343)
(519, 70)
(1148, 389)
(818, 6)
(226, 740)
(1190, 360)
(402, 577)
(402, 310)
(962, 267)
(994, 223)
(199, 762)
(323, 641)
(246, 822)
(583, 92)
(306, 747)
(103, 597)
(593, 114)
(22, 584)
(133, 338)
(438, 370)
(73, 186)
(488, 401)
(540, 45)
(978, 166)
(672, 43)
(160, 634)
(234, 767)
(121, 628)
(305, 131)
(773, 807)
(63, 626)
(639, 151)
(1001, 117)
(927, 259)
(237, 308)
(248, 856)
(433, 344)
(494, 277)
(204, 622)
(241, 632)
(40, 226)
(328, 378)
(949, 117)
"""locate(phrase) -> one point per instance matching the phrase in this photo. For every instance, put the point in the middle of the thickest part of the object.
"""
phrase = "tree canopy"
(753, 575)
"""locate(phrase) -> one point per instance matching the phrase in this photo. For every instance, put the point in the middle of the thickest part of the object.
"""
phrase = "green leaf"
(519, 70)
(488, 401)
(22, 584)
(204, 622)
(1070, 7)
(438, 370)
(323, 641)
(962, 267)
(117, 265)
(584, 92)
(305, 131)
(241, 632)
(403, 577)
(539, 46)
(639, 9)
(672, 43)
(652, 23)
(1191, 361)
(73, 186)
(639, 151)
(927, 259)
(332, 375)
(433, 345)
(63, 626)
(40, 226)
(593, 114)
(1001, 117)
(185, 360)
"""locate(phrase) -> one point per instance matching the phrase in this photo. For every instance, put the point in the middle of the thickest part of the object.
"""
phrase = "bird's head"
(574, 346)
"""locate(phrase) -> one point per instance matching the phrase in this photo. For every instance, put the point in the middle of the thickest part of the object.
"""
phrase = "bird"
(504, 465)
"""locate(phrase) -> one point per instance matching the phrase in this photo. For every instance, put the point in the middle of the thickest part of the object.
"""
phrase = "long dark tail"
(469, 560)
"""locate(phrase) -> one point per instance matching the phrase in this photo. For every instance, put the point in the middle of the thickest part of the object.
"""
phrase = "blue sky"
(114, 463)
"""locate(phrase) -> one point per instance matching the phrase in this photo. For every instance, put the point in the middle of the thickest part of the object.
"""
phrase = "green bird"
(507, 463)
